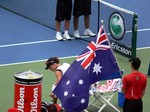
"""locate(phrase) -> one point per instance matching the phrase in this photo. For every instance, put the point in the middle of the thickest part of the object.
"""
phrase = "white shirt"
(63, 68)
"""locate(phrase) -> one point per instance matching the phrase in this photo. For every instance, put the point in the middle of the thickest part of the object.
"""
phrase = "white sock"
(58, 32)
(86, 29)
(66, 32)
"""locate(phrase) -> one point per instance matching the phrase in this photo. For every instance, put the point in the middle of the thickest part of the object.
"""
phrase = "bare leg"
(66, 35)
(58, 24)
(76, 23)
(58, 34)
(87, 21)
(87, 25)
(67, 24)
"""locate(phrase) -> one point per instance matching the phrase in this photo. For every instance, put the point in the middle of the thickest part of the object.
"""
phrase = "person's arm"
(145, 86)
(123, 90)
(58, 75)
(143, 92)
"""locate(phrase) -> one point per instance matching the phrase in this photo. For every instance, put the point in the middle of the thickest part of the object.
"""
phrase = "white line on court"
(60, 58)
(46, 41)
(143, 48)
(27, 43)
(147, 29)
(34, 61)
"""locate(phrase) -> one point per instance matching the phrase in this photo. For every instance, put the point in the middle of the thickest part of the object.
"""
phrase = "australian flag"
(95, 63)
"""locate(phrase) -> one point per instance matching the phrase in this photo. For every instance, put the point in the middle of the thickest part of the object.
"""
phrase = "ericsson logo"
(116, 26)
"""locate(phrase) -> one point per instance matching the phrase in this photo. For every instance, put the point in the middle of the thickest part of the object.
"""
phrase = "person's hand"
(52, 95)
(54, 98)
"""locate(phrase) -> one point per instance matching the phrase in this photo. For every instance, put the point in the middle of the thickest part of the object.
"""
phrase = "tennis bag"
(45, 107)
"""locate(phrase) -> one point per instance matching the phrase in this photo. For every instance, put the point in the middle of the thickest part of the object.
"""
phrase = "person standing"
(63, 13)
(133, 87)
(82, 7)
(59, 69)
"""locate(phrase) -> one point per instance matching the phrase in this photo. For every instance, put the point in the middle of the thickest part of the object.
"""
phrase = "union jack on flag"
(95, 63)
(100, 44)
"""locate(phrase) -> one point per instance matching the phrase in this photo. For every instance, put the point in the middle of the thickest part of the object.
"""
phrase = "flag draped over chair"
(95, 63)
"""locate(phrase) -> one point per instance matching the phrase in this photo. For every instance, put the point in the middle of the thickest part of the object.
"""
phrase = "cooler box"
(120, 99)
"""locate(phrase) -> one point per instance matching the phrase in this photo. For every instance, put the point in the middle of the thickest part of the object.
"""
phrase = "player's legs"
(87, 31)
(58, 24)
(86, 21)
(66, 34)
(76, 22)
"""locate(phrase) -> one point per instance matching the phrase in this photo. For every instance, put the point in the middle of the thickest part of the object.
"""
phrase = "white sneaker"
(66, 36)
(76, 34)
(58, 36)
(88, 32)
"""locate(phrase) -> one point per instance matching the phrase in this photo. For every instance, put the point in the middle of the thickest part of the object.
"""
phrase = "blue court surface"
(22, 40)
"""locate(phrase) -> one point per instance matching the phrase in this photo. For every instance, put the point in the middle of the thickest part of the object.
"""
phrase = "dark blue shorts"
(63, 10)
(82, 7)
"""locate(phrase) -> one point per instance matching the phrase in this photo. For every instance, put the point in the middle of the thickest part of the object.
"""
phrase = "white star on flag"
(80, 82)
(65, 93)
(73, 95)
(97, 68)
(68, 82)
(82, 100)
